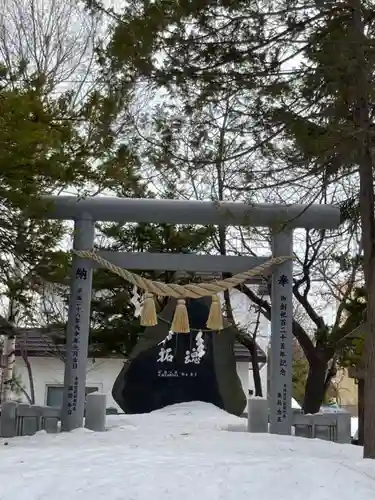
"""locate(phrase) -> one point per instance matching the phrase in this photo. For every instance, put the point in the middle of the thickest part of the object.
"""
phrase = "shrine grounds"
(190, 451)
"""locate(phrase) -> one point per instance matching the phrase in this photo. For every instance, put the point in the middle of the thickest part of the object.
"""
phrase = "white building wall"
(101, 373)
(50, 371)
(243, 374)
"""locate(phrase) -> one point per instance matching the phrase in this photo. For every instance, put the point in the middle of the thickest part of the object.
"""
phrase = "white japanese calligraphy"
(165, 355)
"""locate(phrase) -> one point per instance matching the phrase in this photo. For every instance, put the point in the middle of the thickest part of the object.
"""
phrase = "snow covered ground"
(185, 452)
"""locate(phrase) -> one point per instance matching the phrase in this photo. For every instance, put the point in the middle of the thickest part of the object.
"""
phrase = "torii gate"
(282, 219)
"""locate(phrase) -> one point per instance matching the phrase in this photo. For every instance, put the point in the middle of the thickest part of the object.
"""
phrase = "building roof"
(36, 342)
(242, 353)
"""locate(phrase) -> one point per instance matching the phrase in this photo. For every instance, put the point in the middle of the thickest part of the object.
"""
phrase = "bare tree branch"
(300, 334)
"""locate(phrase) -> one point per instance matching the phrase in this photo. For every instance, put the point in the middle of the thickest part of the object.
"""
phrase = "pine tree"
(311, 124)
(114, 327)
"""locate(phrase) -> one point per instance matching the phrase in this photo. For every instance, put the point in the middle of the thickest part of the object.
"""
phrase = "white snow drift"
(185, 452)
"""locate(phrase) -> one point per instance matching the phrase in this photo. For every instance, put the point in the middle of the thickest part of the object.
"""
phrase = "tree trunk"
(369, 382)
(362, 123)
(361, 393)
(31, 396)
(256, 370)
(248, 342)
(8, 360)
(315, 386)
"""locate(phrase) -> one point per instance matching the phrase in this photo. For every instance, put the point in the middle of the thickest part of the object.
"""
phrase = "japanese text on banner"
(281, 402)
(73, 389)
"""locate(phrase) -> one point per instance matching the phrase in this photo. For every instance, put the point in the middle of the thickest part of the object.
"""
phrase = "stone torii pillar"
(78, 327)
(280, 413)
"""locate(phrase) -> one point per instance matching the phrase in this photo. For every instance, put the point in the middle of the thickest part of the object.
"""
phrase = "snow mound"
(183, 451)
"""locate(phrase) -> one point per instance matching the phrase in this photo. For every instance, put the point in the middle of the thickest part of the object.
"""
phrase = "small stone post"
(96, 411)
(257, 415)
(343, 428)
(8, 420)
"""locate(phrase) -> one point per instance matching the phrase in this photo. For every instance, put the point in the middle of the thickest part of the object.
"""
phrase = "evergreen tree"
(114, 328)
(311, 123)
(57, 133)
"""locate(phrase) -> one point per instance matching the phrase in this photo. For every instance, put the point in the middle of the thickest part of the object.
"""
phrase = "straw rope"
(192, 291)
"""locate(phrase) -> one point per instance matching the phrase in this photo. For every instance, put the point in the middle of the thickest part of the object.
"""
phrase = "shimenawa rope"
(152, 288)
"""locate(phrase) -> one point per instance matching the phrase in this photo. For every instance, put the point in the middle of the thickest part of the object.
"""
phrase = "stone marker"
(157, 375)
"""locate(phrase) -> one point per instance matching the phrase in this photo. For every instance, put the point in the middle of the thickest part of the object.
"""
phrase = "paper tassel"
(148, 315)
(215, 317)
(180, 323)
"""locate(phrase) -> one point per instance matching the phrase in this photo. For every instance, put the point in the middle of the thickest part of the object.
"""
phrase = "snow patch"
(183, 451)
